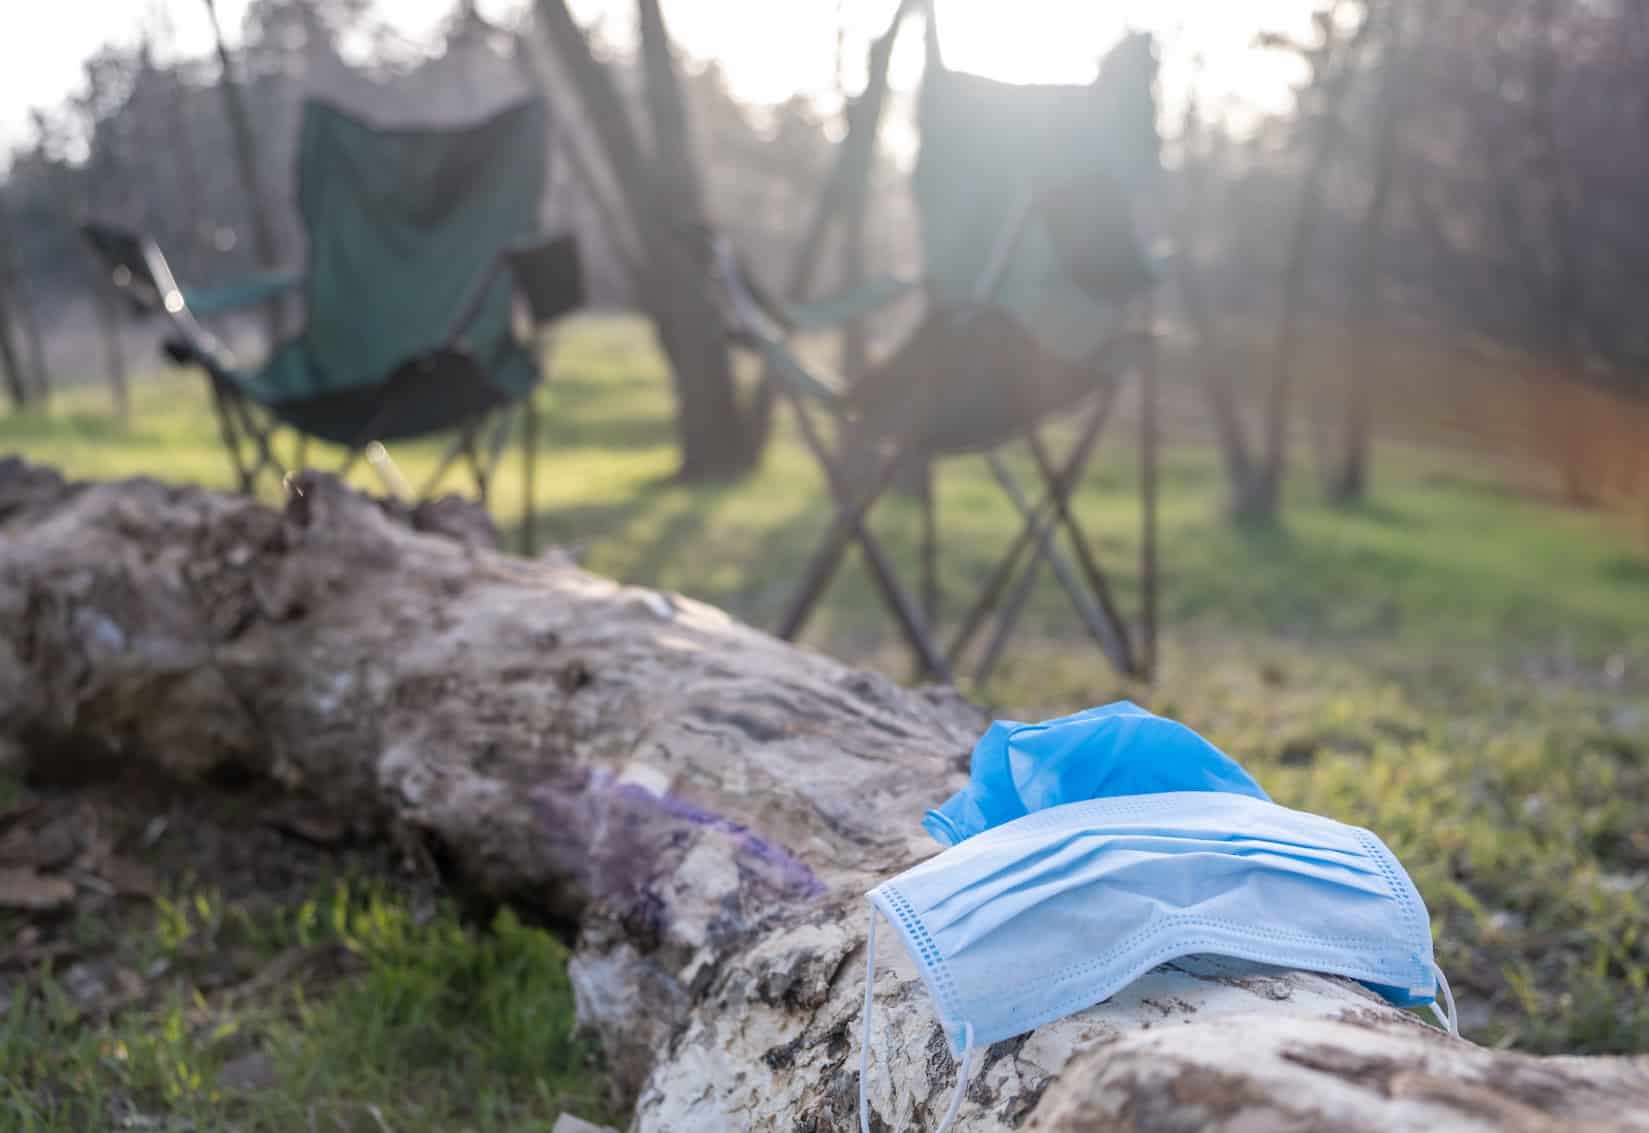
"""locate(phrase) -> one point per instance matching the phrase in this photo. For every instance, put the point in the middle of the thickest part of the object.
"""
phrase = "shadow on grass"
(1626, 569)
(626, 523)
(1379, 514)
(561, 429)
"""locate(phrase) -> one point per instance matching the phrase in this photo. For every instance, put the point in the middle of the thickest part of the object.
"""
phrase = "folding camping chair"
(418, 242)
(1038, 301)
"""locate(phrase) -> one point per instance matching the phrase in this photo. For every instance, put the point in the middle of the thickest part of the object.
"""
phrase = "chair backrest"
(401, 224)
(1075, 155)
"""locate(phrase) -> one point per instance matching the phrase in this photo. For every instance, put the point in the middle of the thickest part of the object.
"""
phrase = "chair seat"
(431, 393)
(968, 381)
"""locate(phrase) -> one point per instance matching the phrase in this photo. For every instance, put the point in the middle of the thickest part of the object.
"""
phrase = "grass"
(435, 1026)
(1460, 666)
(1446, 559)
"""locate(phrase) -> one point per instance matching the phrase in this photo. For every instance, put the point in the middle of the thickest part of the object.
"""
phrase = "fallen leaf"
(22, 888)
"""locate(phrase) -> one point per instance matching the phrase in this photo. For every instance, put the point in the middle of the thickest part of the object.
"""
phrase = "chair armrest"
(133, 266)
(240, 293)
(753, 324)
(549, 274)
(546, 271)
(138, 270)
(846, 306)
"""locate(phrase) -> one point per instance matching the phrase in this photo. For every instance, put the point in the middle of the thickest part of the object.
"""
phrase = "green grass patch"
(357, 1011)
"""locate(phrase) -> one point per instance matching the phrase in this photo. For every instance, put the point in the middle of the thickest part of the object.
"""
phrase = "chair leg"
(930, 547)
(529, 465)
(434, 478)
(850, 526)
(1036, 530)
(1015, 605)
(1101, 621)
(261, 445)
(477, 463)
(229, 435)
(1097, 584)
(1011, 610)
(849, 522)
(1148, 438)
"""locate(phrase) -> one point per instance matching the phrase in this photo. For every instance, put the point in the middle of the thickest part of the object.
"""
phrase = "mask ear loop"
(964, 1069)
(864, 1027)
(1451, 1021)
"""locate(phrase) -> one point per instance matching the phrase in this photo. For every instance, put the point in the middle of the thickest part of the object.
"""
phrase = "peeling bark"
(707, 804)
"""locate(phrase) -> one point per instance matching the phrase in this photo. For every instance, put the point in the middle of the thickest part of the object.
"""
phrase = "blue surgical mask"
(1117, 749)
(1057, 911)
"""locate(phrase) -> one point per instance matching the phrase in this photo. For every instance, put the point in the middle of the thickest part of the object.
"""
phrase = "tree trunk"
(1212, 364)
(841, 205)
(246, 163)
(191, 193)
(1348, 480)
(718, 436)
(718, 440)
(705, 804)
(11, 366)
(114, 348)
(854, 353)
(1566, 295)
(33, 341)
(1335, 70)
(103, 170)
(17, 295)
(846, 188)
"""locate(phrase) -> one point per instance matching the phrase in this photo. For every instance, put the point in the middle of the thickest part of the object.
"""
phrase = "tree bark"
(103, 171)
(188, 180)
(1335, 70)
(718, 437)
(841, 206)
(705, 804)
(850, 176)
(1566, 341)
(11, 366)
(718, 440)
(17, 294)
(1212, 364)
(1348, 480)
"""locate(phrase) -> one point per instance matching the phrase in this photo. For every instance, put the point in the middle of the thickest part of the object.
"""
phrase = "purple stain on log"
(772, 861)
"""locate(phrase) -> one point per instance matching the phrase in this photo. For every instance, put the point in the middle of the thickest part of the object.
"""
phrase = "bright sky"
(769, 48)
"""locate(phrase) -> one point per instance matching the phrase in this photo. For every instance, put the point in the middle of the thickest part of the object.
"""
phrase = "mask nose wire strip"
(962, 1071)
(1451, 1021)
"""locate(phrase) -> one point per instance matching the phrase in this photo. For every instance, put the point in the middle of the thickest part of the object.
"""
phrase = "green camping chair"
(419, 241)
(1037, 303)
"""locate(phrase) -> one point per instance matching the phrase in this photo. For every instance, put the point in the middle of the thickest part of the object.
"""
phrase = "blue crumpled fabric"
(1116, 749)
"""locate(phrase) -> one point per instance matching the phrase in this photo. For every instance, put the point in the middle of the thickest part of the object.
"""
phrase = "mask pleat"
(1058, 910)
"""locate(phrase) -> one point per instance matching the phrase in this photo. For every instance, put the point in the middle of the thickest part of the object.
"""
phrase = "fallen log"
(702, 804)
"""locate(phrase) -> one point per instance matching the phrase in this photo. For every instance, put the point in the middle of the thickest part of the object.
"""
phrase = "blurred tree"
(1333, 61)
(107, 186)
(1199, 161)
(1390, 34)
(720, 434)
(17, 292)
(11, 365)
(246, 161)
